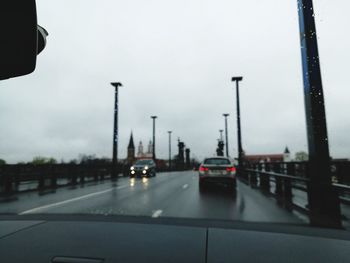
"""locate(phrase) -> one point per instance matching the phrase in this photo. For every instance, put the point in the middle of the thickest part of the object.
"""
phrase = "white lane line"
(185, 186)
(157, 213)
(70, 200)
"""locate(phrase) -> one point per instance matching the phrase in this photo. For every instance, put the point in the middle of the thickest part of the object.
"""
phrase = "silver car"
(217, 170)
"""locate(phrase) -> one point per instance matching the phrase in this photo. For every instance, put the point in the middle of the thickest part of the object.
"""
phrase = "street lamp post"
(115, 130)
(154, 138)
(323, 199)
(169, 149)
(226, 132)
(221, 138)
(239, 135)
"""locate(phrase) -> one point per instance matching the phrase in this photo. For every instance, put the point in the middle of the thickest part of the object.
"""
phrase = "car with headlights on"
(217, 170)
(143, 168)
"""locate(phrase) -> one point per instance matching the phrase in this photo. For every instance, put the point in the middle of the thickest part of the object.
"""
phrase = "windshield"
(144, 162)
(217, 161)
(176, 84)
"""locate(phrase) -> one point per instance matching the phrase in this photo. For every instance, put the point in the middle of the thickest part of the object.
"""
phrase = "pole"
(226, 133)
(221, 138)
(239, 135)
(323, 199)
(169, 149)
(154, 138)
(115, 131)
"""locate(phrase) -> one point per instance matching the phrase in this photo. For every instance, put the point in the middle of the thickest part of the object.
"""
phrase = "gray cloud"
(175, 59)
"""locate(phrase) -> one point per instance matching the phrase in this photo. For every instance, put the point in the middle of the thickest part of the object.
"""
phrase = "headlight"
(144, 171)
(132, 172)
(146, 167)
(132, 168)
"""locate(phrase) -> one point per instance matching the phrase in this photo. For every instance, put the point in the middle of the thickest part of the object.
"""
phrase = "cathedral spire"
(131, 142)
(286, 150)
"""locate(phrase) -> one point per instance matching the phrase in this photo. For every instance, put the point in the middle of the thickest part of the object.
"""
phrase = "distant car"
(218, 170)
(143, 168)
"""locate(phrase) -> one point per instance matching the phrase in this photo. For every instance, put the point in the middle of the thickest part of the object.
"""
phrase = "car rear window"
(217, 161)
(144, 162)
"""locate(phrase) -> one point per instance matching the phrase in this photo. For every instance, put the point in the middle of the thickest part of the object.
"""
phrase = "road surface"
(174, 194)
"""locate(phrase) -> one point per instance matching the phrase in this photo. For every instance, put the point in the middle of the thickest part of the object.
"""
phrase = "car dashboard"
(93, 239)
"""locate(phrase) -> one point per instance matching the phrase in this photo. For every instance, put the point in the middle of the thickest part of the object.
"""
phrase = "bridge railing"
(27, 177)
(282, 179)
(16, 178)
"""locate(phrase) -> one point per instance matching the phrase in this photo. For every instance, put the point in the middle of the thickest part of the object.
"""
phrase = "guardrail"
(29, 177)
(17, 178)
(282, 176)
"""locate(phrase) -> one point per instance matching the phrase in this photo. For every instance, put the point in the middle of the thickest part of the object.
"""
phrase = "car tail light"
(231, 169)
(203, 169)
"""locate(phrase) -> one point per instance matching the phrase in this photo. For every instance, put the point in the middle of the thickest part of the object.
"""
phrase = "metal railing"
(285, 178)
(17, 178)
(29, 177)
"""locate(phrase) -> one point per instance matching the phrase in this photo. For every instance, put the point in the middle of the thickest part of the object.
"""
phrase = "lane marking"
(185, 186)
(70, 200)
(157, 213)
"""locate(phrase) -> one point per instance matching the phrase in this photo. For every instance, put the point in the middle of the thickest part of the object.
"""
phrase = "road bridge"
(169, 194)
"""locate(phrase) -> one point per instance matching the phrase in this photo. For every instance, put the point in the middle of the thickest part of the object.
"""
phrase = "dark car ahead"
(143, 168)
(217, 170)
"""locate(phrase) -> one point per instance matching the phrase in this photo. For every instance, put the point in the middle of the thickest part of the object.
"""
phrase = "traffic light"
(21, 38)
(220, 149)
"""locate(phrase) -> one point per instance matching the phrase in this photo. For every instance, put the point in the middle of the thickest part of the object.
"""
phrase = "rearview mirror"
(21, 38)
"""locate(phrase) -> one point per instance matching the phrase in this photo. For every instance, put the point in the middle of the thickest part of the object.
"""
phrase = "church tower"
(131, 150)
(140, 150)
(286, 155)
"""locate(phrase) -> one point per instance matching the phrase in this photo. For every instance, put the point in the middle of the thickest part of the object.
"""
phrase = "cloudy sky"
(175, 59)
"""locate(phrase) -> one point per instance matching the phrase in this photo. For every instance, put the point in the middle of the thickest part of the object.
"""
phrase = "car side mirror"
(21, 38)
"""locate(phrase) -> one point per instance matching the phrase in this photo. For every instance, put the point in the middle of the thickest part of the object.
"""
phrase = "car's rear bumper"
(217, 179)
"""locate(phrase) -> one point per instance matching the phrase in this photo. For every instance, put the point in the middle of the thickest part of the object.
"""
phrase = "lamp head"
(116, 84)
(237, 78)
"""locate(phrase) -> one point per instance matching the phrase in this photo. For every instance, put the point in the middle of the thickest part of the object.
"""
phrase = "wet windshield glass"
(176, 84)
(144, 162)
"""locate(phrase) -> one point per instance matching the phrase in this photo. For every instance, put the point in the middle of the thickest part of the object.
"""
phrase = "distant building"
(286, 155)
(259, 158)
(131, 150)
(148, 154)
(131, 157)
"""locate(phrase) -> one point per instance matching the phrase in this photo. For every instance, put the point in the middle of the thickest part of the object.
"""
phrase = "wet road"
(174, 194)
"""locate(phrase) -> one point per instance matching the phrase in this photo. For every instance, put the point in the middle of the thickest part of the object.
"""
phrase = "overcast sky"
(175, 60)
